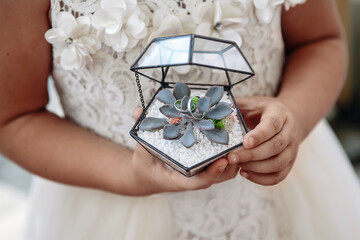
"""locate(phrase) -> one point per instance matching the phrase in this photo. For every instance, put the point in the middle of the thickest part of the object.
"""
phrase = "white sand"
(201, 150)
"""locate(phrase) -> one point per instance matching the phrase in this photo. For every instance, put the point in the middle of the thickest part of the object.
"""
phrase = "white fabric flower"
(221, 21)
(72, 41)
(165, 24)
(265, 9)
(121, 24)
(292, 3)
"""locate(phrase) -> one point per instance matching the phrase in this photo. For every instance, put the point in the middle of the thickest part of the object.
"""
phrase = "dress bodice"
(101, 94)
(98, 91)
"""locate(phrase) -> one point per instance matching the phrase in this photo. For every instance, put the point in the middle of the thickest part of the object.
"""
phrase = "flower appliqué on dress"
(73, 41)
(265, 8)
(122, 25)
(219, 20)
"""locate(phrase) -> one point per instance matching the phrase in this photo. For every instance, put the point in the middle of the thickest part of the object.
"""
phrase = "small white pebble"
(203, 149)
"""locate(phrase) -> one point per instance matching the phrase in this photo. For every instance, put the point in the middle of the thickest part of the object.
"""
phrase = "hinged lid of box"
(187, 54)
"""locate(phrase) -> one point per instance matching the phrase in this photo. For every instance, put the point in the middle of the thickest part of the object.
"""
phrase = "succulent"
(206, 113)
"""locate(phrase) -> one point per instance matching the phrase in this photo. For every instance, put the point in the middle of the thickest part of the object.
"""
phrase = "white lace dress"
(318, 200)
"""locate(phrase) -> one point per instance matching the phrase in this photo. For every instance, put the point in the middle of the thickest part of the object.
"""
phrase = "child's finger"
(230, 172)
(266, 150)
(206, 178)
(272, 121)
(271, 165)
(266, 179)
(137, 112)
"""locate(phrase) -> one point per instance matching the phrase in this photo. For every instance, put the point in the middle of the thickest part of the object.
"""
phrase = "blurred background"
(344, 118)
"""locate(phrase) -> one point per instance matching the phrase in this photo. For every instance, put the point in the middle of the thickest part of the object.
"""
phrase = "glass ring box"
(193, 119)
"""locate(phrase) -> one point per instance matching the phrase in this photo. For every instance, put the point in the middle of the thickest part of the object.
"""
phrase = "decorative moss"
(195, 100)
(219, 123)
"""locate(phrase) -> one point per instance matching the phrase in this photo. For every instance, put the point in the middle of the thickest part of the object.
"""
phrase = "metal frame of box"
(188, 171)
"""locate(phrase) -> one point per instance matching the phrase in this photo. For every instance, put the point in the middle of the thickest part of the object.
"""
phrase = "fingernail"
(222, 168)
(251, 142)
(244, 173)
(233, 158)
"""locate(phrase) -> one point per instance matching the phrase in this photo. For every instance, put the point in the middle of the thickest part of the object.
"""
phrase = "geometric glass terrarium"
(193, 119)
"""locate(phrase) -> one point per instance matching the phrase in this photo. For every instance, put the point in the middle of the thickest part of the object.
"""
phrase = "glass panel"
(198, 75)
(193, 74)
(219, 55)
(171, 51)
(209, 61)
(209, 52)
(235, 61)
(151, 73)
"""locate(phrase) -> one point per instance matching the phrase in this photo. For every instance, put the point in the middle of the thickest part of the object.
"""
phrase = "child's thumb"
(137, 112)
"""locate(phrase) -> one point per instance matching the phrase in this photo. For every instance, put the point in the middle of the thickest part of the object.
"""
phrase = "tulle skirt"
(320, 199)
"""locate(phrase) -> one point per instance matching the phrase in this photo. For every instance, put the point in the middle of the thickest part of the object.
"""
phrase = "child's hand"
(150, 175)
(271, 147)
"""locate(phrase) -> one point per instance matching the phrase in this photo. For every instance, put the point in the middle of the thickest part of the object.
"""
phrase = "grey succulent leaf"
(165, 96)
(169, 111)
(151, 123)
(196, 114)
(181, 90)
(215, 93)
(188, 139)
(219, 112)
(184, 102)
(225, 103)
(217, 135)
(172, 131)
(204, 124)
(204, 104)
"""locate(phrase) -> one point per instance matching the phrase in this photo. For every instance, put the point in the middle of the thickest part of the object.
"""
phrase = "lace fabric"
(102, 96)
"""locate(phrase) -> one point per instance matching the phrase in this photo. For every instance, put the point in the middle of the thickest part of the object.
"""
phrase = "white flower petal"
(118, 41)
(133, 22)
(138, 33)
(84, 20)
(203, 13)
(136, 27)
(232, 35)
(91, 43)
(204, 29)
(261, 4)
(82, 28)
(100, 18)
(67, 22)
(227, 22)
(113, 28)
(277, 2)
(131, 2)
(292, 3)
(56, 36)
(132, 42)
(70, 59)
(64, 17)
(118, 14)
(265, 15)
(170, 26)
(112, 4)
(231, 11)
(159, 16)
